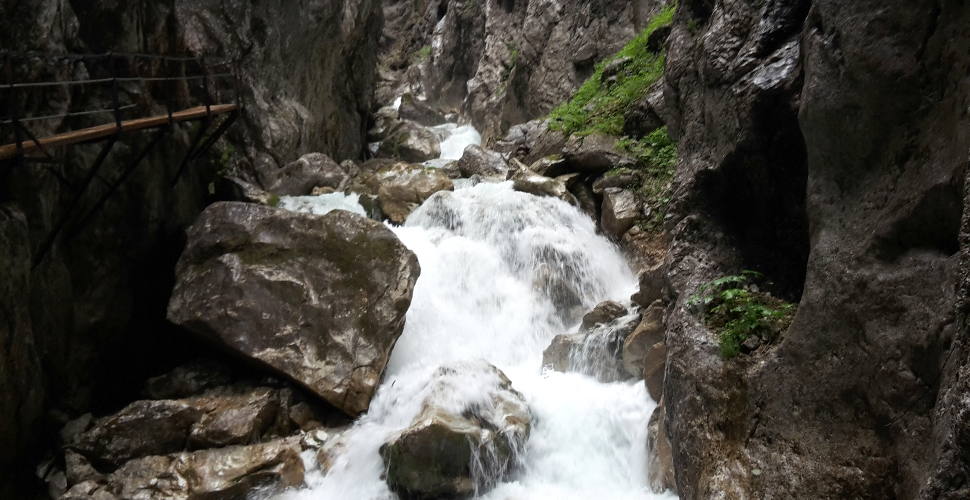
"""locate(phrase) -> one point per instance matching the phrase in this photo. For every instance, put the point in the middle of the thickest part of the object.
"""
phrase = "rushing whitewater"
(502, 272)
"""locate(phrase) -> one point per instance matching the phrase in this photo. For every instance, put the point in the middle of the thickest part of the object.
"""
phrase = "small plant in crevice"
(422, 54)
(656, 156)
(740, 313)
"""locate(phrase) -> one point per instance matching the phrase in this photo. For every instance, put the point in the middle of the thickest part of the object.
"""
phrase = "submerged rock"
(596, 350)
(459, 448)
(410, 141)
(404, 187)
(319, 299)
(604, 312)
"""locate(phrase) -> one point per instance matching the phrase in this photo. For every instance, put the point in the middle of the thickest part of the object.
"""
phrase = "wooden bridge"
(191, 89)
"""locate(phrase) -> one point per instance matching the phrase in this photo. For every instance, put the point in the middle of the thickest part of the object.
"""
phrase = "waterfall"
(502, 273)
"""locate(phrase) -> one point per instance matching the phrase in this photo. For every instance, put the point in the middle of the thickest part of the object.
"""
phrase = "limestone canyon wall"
(83, 321)
(824, 144)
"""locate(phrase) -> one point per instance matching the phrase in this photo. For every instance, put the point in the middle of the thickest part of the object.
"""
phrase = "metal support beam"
(48, 243)
(129, 169)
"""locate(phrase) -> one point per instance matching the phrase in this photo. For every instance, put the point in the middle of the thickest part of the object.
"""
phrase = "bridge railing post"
(205, 87)
(115, 101)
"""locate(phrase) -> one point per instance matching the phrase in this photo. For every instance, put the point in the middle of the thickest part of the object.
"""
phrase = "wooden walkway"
(101, 131)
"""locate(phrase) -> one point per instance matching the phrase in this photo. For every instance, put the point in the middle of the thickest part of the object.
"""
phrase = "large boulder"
(621, 209)
(312, 170)
(456, 450)
(319, 299)
(410, 141)
(403, 187)
(482, 162)
(232, 472)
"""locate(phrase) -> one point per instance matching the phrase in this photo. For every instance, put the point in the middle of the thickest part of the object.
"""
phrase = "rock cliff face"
(92, 306)
(824, 144)
(502, 62)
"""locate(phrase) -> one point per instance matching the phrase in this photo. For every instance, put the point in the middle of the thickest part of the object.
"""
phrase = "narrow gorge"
(495, 249)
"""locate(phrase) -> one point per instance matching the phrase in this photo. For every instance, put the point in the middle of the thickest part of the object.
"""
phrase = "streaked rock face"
(319, 299)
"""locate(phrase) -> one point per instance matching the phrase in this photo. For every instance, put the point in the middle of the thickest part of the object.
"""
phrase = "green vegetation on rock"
(735, 309)
(657, 158)
(599, 106)
(422, 54)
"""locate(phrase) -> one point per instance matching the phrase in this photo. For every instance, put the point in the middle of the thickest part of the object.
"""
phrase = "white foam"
(324, 203)
(490, 259)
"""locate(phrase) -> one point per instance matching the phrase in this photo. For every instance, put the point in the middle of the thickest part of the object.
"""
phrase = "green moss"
(737, 310)
(598, 107)
(657, 158)
(274, 200)
(422, 54)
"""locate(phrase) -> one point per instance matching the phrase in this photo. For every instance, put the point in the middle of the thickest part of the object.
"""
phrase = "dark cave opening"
(758, 199)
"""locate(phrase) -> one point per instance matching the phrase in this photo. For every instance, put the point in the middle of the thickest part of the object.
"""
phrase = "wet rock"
(621, 178)
(188, 380)
(595, 351)
(232, 472)
(648, 333)
(586, 198)
(20, 362)
(646, 114)
(532, 183)
(655, 364)
(404, 187)
(549, 166)
(532, 141)
(558, 355)
(652, 281)
(478, 161)
(660, 469)
(312, 170)
(594, 154)
(142, 428)
(419, 112)
(614, 67)
(409, 141)
(621, 209)
(384, 120)
(220, 417)
(78, 469)
(451, 451)
(319, 299)
(604, 312)
(233, 188)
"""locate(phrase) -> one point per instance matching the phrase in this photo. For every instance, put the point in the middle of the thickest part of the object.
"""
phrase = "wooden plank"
(101, 131)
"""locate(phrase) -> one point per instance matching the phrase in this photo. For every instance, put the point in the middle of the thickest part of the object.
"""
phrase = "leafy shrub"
(737, 310)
